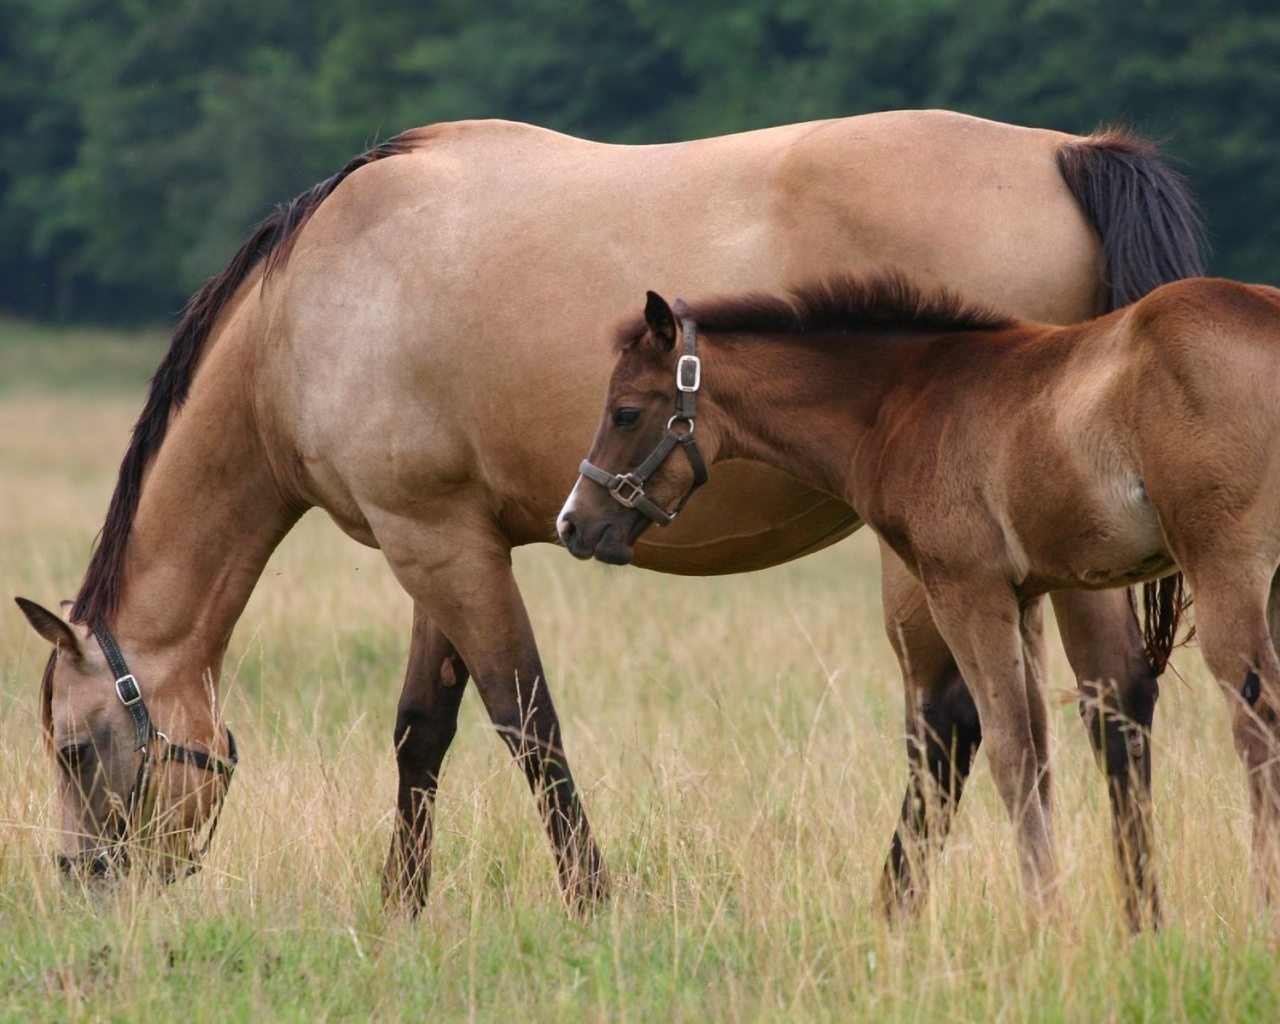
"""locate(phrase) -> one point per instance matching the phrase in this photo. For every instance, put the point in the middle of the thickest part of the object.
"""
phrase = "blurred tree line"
(140, 139)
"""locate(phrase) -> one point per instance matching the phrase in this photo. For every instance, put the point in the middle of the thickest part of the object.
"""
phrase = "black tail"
(1151, 234)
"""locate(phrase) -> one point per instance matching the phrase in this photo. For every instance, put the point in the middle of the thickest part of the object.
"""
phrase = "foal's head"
(649, 453)
(142, 764)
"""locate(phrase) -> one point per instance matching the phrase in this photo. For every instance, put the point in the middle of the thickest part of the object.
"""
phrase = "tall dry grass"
(738, 741)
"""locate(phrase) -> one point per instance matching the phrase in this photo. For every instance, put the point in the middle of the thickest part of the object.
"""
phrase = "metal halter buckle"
(128, 691)
(688, 373)
(628, 498)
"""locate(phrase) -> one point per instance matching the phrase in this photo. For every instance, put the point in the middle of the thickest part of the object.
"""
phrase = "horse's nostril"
(568, 529)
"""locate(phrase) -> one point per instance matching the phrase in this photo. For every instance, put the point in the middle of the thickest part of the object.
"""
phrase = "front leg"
(459, 574)
(982, 621)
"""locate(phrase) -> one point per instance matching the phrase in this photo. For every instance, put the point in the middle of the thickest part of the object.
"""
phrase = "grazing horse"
(393, 347)
(1000, 460)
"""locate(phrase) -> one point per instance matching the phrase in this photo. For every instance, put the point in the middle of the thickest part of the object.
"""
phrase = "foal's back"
(1055, 455)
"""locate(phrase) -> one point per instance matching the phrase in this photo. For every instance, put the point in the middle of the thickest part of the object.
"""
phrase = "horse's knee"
(421, 738)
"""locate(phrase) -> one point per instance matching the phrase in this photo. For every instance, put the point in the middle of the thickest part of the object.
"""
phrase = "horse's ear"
(661, 321)
(51, 627)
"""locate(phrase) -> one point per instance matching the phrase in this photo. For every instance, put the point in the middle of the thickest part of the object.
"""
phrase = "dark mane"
(882, 300)
(271, 241)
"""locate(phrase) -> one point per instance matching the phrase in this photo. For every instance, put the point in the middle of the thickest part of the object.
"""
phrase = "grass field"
(738, 742)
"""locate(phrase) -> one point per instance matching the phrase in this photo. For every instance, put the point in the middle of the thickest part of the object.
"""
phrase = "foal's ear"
(661, 321)
(51, 627)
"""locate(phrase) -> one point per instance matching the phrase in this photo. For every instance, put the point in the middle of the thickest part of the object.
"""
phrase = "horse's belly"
(1131, 547)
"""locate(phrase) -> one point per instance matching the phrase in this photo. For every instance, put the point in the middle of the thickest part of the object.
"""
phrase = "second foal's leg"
(1118, 692)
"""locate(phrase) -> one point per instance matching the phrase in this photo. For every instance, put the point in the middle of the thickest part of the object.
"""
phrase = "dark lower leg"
(942, 737)
(531, 729)
(1118, 693)
(458, 570)
(1119, 728)
(940, 750)
(426, 721)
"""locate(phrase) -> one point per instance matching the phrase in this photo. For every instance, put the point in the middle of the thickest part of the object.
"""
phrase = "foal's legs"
(459, 574)
(942, 733)
(425, 725)
(1035, 660)
(983, 625)
(1118, 692)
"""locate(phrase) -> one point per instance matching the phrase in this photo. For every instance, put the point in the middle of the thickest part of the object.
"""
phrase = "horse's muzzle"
(605, 542)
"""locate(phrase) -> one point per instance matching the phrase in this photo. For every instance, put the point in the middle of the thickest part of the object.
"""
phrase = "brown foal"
(1000, 460)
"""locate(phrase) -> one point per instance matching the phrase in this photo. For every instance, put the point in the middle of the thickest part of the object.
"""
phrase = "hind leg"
(942, 734)
(1118, 692)
(426, 721)
(1234, 626)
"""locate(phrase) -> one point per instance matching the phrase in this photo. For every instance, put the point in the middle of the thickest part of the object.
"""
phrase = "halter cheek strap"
(628, 488)
(144, 731)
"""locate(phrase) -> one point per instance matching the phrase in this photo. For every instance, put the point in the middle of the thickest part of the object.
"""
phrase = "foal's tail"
(1151, 234)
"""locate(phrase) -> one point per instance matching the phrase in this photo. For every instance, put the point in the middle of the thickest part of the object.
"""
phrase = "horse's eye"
(73, 756)
(627, 417)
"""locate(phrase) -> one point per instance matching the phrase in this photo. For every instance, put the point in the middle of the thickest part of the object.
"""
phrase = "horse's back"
(461, 297)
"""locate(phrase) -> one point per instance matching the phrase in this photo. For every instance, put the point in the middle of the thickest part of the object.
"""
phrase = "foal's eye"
(627, 417)
(73, 756)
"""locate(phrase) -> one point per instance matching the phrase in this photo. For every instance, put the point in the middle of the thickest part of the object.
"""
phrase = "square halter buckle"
(128, 691)
(628, 490)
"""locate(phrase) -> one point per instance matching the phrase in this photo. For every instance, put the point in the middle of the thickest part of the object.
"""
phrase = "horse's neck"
(209, 516)
(804, 407)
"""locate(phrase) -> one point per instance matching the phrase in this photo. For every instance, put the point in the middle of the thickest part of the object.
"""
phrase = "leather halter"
(144, 731)
(628, 488)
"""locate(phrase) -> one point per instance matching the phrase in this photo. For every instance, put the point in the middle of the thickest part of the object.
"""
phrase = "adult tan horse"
(1000, 460)
(394, 347)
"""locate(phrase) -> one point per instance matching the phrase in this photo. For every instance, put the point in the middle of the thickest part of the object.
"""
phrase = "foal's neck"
(803, 405)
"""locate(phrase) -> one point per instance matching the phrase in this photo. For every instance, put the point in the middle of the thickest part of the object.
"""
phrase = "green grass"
(737, 742)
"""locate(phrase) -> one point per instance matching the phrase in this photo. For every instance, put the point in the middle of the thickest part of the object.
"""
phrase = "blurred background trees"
(140, 139)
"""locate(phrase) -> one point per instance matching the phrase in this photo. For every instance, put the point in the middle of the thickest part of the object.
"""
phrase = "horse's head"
(649, 414)
(143, 760)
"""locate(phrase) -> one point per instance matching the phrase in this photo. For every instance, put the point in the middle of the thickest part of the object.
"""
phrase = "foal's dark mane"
(269, 245)
(885, 300)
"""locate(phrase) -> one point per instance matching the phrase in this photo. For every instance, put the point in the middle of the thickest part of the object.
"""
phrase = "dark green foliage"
(140, 140)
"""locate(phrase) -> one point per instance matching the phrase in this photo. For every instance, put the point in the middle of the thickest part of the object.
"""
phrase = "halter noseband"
(628, 488)
(144, 731)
